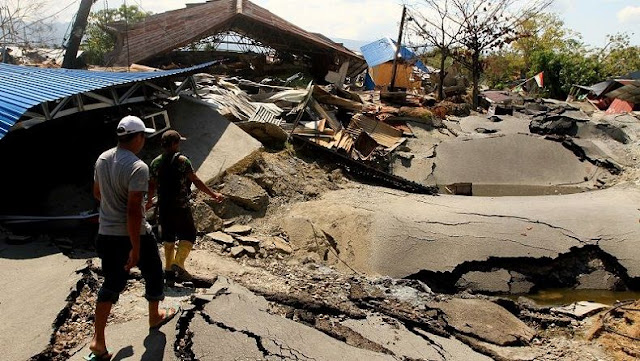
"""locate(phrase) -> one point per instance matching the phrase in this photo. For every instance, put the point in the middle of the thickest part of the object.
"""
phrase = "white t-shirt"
(118, 171)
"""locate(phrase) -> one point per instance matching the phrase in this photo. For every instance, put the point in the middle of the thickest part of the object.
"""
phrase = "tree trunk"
(77, 32)
(475, 71)
(442, 76)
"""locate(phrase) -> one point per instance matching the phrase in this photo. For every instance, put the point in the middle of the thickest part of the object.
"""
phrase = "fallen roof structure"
(33, 95)
(629, 92)
(162, 33)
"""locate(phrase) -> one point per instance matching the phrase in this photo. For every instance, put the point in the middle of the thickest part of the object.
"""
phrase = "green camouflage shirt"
(183, 168)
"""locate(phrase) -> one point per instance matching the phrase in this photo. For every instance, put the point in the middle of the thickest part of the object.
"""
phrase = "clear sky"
(369, 20)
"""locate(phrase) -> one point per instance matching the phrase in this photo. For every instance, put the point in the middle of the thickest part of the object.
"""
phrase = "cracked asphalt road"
(37, 279)
(398, 235)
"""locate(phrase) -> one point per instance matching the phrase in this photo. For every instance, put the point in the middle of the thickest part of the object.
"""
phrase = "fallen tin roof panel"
(25, 87)
(630, 92)
(620, 106)
(384, 50)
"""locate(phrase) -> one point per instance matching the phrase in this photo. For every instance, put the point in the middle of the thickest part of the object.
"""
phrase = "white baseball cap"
(132, 124)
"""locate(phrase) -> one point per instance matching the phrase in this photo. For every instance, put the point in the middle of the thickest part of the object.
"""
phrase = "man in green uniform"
(172, 175)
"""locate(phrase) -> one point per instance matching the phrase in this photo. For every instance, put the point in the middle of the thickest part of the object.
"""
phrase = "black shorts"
(114, 253)
(176, 224)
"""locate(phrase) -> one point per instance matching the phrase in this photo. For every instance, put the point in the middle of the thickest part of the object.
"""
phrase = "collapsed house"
(380, 54)
(615, 96)
(201, 30)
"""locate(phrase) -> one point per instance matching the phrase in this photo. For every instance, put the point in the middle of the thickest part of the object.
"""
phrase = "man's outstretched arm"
(218, 197)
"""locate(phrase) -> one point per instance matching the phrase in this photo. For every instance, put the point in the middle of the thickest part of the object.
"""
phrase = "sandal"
(104, 356)
(170, 313)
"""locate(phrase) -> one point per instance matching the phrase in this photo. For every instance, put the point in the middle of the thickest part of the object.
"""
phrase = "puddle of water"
(565, 296)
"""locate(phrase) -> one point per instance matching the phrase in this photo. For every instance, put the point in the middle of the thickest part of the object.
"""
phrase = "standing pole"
(398, 47)
(77, 31)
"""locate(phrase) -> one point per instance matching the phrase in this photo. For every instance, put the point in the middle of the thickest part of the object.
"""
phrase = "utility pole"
(77, 31)
(398, 47)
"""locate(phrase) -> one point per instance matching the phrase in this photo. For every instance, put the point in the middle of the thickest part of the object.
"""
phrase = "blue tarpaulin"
(384, 50)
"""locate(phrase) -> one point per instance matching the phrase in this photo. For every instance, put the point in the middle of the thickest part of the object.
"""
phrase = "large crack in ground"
(562, 271)
(292, 353)
(74, 321)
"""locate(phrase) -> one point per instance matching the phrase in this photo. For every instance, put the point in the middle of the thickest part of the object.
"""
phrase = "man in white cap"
(172, 175)
(124, 237)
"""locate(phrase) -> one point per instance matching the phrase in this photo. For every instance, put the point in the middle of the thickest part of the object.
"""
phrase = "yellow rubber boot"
(169, 254)
(184, 248)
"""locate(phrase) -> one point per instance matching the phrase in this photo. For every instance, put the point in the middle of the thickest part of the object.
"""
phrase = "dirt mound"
(290, 179)
(274, 180)
(618, 330)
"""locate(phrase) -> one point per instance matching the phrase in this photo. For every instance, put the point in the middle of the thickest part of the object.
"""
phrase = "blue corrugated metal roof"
(22, 87)
(382, 51)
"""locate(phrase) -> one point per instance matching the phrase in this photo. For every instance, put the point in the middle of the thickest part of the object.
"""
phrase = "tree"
(538, 33)
(488, 25)
(542, 32)
(502, 68)
(433, 24)
(100, 40)
(21, 22)
(618, 57)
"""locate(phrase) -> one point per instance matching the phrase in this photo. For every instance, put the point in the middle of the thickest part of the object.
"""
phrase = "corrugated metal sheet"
(384, 50)
(384, 134)
(264, 115)
(630, 92)
(22, 88)
(620, 106)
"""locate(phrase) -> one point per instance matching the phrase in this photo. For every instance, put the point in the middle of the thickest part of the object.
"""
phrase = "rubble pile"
(618, 330)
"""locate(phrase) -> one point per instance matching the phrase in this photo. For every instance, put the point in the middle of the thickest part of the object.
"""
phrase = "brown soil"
(619, 331)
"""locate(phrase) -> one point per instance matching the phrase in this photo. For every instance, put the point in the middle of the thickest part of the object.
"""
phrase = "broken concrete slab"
(251, 251)
(245, 192)
(581, 309)
(485, 320)
(519, 284)
(510, 160)
(237, 251)
(238, 229)
(599, 280)
(490, 282)
(251, 241)
(35, 280)
(219, 237)
(205, 218)
(213, 143)
(411, 345)
(276, 244)
(277, 337)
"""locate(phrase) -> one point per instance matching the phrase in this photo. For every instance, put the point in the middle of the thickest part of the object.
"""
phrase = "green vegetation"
(99, 41)
(549, 46)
